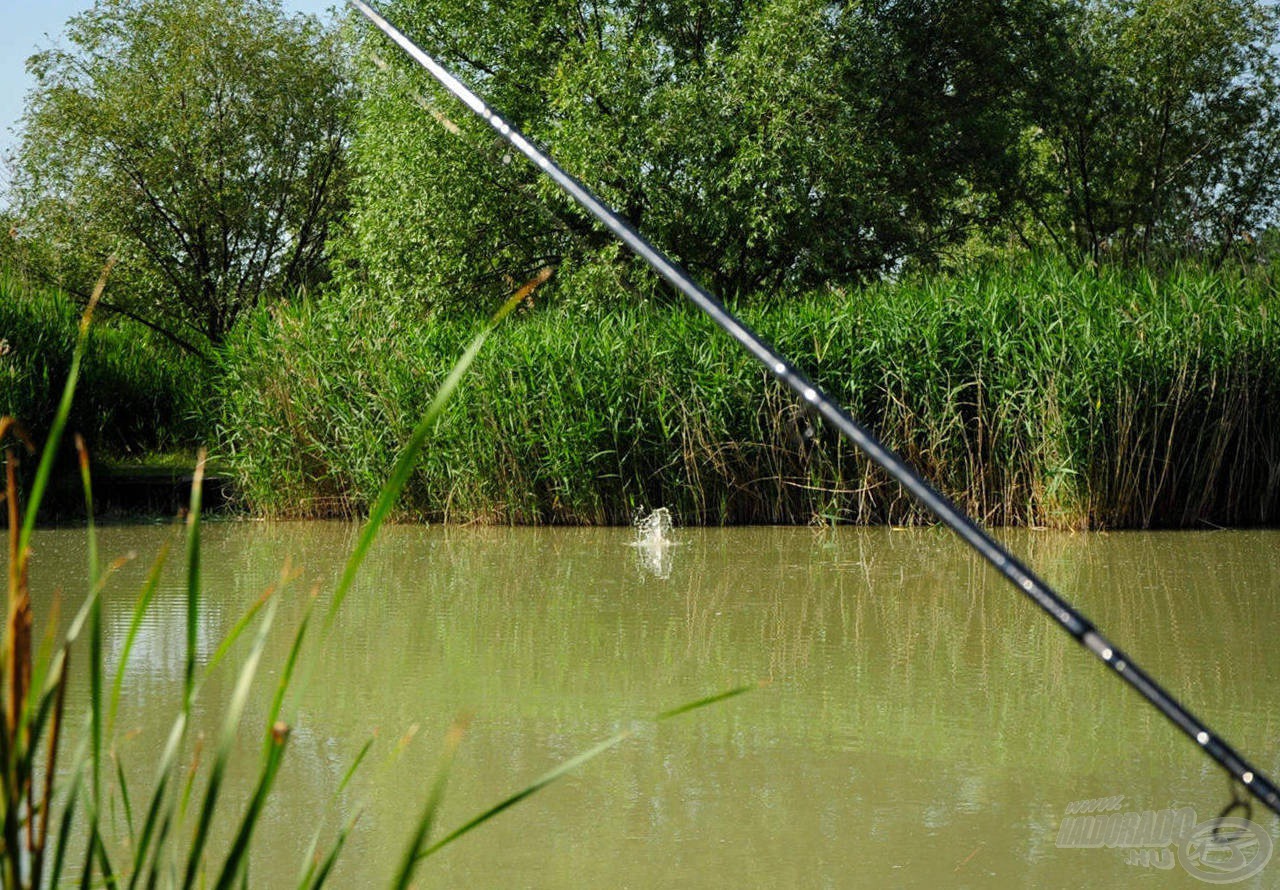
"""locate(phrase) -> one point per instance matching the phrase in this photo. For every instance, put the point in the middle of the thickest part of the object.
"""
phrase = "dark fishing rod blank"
(1022, 578)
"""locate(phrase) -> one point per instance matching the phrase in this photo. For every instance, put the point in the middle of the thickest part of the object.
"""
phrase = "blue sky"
(29, 26)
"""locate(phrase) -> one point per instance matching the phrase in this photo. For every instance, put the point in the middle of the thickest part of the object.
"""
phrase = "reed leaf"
(95, 630)
(237, 858)
(326, 867)
(271, 742)
(312, 866)
(226, 743)
(193, 579)
(45, 468)
(422, 830)
(537, 785)
(159, 807)
(570, 765)
(123, 783)
(65, 821)
(408, 457)
(140, 608)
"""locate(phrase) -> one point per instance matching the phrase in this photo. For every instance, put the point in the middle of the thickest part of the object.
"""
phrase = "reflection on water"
(923, 725)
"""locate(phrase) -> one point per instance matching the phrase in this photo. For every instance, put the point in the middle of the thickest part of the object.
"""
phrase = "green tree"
(1158, 127)
(201, 142)
(767, 143)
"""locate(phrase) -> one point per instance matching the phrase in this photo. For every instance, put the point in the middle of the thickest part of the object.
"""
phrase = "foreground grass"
(57, 818)
(1033, 395)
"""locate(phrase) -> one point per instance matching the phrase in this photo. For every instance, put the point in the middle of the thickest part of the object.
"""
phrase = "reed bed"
(1032, 395)
(138, 395)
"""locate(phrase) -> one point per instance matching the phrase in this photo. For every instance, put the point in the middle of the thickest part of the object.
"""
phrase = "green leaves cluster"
(769, 145)
(1157, 127)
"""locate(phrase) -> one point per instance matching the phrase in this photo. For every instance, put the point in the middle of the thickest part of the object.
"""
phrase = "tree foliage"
(200, 141)
(770, 145)
(767, 143)
(1158, 127)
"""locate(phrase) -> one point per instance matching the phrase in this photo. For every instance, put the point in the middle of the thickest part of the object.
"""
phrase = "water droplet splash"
(654, 530)
(653, 542)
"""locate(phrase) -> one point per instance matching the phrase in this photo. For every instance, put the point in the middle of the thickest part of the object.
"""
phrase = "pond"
(918, 723)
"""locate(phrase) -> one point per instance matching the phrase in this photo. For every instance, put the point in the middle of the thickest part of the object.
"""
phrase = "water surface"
(921, 725)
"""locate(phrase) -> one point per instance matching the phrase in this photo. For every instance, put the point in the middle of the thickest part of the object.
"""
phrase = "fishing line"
(1026, 581)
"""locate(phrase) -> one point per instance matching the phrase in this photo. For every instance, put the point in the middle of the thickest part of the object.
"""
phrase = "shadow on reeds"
(57, 816)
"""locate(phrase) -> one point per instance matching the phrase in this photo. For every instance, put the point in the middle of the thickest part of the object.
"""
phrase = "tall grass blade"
(282, 687)
(355, 766)
(124, 796)
(157, 814)
(193, 579)
(538, 784)
(422, 832)
(572, 764)
(273, 756)
(237, 857)
(104, 861)
(45, 469)
(237, 630)
(140, 609)
(326, 867)
(50, 772)
(15, 662)
(226, 742)
(310, 864)
(409, 454)
(153, 876)
(704, 702)
(67, 819)
(86, 870)
(189, 786)
(95, 630)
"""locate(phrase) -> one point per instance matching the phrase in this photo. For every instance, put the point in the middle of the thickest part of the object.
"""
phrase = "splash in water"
(653, 542)
(654, 530)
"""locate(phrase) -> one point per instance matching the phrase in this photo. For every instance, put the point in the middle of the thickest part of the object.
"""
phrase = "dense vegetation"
(789, 144)
(138, 394)
(1034, 395)
(1030, 242)
(63, 785)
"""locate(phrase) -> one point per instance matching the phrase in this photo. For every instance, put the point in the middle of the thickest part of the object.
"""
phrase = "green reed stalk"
(27, 719)
(1032, 395)
(546, 779)
(409, 454)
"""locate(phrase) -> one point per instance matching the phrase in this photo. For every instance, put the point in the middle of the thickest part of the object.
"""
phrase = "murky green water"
(922, 725)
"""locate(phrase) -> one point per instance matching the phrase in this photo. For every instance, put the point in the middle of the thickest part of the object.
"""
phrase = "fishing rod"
(1027, 582)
